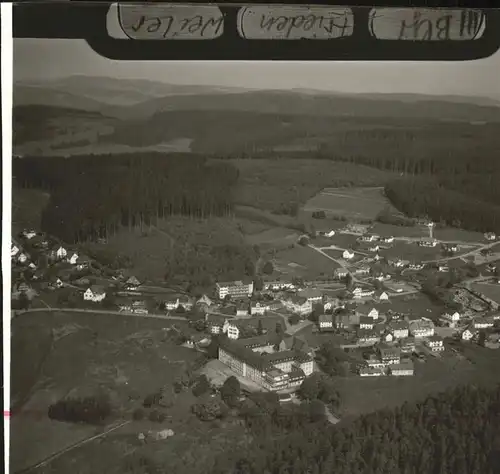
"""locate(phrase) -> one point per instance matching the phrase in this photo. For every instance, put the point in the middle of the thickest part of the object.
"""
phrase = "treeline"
(94, 196)
(424, 196)
(456, 432)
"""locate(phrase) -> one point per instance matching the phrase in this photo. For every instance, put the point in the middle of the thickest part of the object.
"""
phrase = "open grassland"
(490, 290)
(366, 394)
(354, 203)
(271, 183)
(126, 358)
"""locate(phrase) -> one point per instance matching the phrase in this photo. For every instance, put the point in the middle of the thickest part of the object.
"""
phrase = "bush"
(138, 414)
(91, 410)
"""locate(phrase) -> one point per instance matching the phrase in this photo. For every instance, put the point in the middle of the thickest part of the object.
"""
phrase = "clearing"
(355, 203)
(127, 358)
(489, 290)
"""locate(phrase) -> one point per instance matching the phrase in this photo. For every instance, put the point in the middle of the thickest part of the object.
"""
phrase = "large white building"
(234, 289)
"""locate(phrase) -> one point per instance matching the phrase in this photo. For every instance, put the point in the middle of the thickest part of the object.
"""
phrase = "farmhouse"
(389, 354)
(367, 336)
(416, 266)
(132, 283)
(388, 240)
(443, 268)
(363, 270)
(374, 248)
(314, 296)
(139, 307)
(469, 334)
(340, 273)
(420, 328)
(451, 319)
(242, 308)
(371, 372)
(95, 293)
(345, 319)
(325, 322)
(399, 329)
(14, 249)
(298, 305)
(22, 257)
(204, 301)
(403, 369)
(58, 252)
(181, 301)
(82, 262)
(28, 234)
(231, 330)
(366, 323)
(234, 289)
(330, 233)
(435, 343)
(348, 255)
(258, 307)
(483, 323)
(383, 296)
(427, 242)
(407, 345)
(490, 236)
(215, 322)
(72, 258)
(362, 293)
(277, 285)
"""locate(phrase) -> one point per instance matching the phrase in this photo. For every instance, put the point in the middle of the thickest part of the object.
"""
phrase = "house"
(364, 270)
(362, 293)
(407, 345)
(82, 262)
(469, 334)
(388, 240)
(325, 321)
(435, 343)
(402, 369)
(234, 289)
(298, 305)
(340, 273)
(57, 283)
(389, 354)
(277, 285)
(215, 323)
(427, 242)
(399, 329)
(348, 254)
(387, 337)
(450, 319)
(14, 250)
(22, 257)
(383, 277)
(369, 238)
(331, 303)
(132, 283)
(366, 322)
(371, 372)
(258, 307)
(416, 266)
(314, 296)
(383, 296)
(231, 330)
(377, 257)
(139, 307)
(94, 293)
(367, 336)
(330, 233)
(181, 301)
(420, 328)
(29, 234)
(373, 314)
(451, 247)
(443, 268)
(483, 323)
(490, 236)
(374, 248)
(58, 252)
(72, 258)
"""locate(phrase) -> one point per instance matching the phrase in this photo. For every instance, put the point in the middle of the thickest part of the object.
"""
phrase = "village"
(270, 329)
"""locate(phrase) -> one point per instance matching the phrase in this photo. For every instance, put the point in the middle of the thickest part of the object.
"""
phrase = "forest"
(455, 432)
(94, 196)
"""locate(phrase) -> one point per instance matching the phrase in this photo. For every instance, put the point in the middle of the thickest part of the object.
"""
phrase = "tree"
(304, 241)
(258, 283)
(23, 301)
(260, 328)
(201, 386)
(279, 329)
(268, 268)
(310, 387)
(230, 391)
(294, 319)
(317, 410)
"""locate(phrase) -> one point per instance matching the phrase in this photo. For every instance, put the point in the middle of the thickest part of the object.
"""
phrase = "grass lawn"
(267, 183)
(27, 207)
(361, 203)
(304, 262)
(490, 290)
(416, 306)
(412, 251)
(83, 354)
(388, 230)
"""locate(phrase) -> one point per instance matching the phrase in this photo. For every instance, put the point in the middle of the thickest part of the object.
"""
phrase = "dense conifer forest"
(456, 432)
(93, 196)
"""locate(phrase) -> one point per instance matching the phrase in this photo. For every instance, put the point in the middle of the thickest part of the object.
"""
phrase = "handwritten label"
(422, 24)
(294, 22)
(171, 21)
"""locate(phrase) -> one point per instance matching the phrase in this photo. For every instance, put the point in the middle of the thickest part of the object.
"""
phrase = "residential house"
(369, 238)
(420, 328)
(298, 305)
(331, 303)
(369, 311)
(29, 233)
(258, 307)
(427, 242)
(22, 257)
(94, 293)
(451, 247)
(402, 369)
(14, 250)
(450, 319)
(325, 322)
(345, 319)
(32, 266)
(215, 323)
(231, 330)
(72, 258)
(483, 323)
(242, 309)
(374, 248)
(443, 268)
(204, 303)
(364, 270)
(490, 236)
(277, 285)
(234, 289)
(82, 262)
(295, 343)
(377, 257)
(416, 266)
(175, 303)
(58, 252)
(340, 273)
(435, 343)
(56, 283)
(330, 233)
(348, 255)
(389, 354)
(407, 345)
(367, 336)
(371, 372)
(359, 293)
(132, 283)
(312, 295)
(383, 296)
(366, 322)
(469, 333)
(399, 329)
(139, 307)
(387, 336)
(388, 240)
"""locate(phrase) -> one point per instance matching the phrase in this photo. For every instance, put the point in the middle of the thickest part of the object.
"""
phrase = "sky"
(57, 58)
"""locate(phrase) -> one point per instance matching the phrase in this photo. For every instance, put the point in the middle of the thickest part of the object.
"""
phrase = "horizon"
(49, 59)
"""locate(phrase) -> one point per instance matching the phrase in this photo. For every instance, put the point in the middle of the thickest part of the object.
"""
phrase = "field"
(126, 358)
(302, 262)
(411, 251)
(355, 203)
(271, 183)
(366, 394)
(491, 291)
(416, 306)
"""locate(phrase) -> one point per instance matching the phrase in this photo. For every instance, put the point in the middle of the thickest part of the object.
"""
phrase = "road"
(464, 255)
(17, 313)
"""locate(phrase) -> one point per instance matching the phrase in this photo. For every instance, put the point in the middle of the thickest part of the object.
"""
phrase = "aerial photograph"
(254, 267)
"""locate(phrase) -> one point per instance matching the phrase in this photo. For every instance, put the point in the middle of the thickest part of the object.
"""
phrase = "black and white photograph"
(254, 267)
